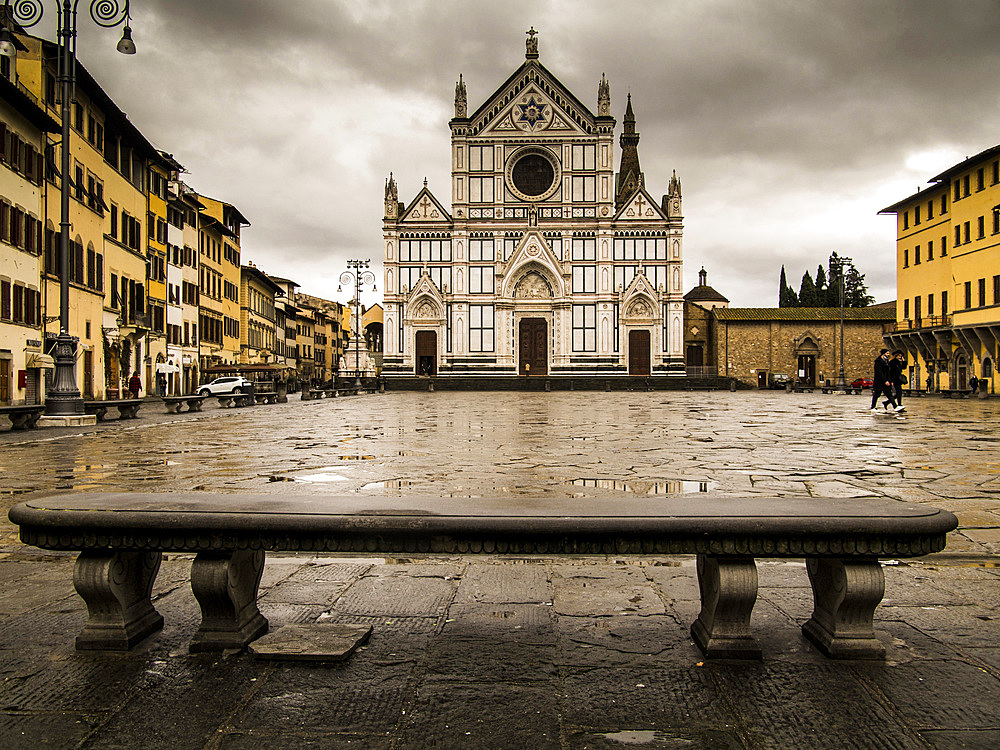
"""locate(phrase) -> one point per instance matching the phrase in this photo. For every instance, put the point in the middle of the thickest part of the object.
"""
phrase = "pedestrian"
(882, 383)
(134, 385)
(974, 383)
(896, 367)
(930, 383)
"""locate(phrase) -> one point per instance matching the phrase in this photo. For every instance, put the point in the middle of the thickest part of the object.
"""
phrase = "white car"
(225, 386)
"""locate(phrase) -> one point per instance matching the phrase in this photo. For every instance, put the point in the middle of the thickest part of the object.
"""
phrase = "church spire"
(391, 198)
(630, 177)
(461, 98)
(603, 98)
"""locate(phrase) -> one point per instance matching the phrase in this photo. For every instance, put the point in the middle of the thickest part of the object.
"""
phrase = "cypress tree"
(786, 295)
(807, 292)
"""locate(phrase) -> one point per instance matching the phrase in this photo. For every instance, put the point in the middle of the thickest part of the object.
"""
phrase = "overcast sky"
(790, 124)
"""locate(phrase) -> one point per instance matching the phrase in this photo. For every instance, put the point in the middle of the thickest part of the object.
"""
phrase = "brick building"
(804, 342)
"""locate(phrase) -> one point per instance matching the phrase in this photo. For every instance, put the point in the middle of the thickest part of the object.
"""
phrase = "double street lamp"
(840, 263)
(64, 399)
(358, 276)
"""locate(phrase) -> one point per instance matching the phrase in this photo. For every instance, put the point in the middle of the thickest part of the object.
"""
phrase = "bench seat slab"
(845, 595)
(116, 588)
(728, 592)
(225, 585)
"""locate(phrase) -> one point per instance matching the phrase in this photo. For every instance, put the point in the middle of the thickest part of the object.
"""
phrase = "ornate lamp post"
(64, 399)
(359, 276)
(841, 381)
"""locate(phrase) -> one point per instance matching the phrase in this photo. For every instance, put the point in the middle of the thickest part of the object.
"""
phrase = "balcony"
(916, 324)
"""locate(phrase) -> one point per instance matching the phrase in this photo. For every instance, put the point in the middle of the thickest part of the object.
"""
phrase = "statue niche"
(533, 286)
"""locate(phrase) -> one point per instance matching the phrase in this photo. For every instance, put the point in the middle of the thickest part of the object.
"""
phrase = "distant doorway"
(762, 379)
(807, 369)
(638, 353)
(426, 346)
(533, 346)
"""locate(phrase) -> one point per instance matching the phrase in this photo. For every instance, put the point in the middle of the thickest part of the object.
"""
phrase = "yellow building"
(219, 283)
(23, 124)
(305, 344)
(948, 276)
(109, 157)
(158, 177)
(257, 316)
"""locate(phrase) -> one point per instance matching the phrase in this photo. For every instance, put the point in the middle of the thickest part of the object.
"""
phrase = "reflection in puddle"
(315, 476)
(646, 487)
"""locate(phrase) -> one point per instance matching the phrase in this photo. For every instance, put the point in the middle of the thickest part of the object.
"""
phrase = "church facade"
(547, 260)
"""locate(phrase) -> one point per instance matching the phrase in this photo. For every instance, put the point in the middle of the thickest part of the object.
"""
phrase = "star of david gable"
(532, 112)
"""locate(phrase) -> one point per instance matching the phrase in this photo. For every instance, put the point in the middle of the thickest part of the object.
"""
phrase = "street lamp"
(841, 380)
(357, 277)
(64, 399)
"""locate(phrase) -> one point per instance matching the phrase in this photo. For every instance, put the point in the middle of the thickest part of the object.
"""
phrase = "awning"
(34, 360)
(166, 367)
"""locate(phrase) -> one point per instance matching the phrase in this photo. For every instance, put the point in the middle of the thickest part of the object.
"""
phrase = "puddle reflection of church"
(549, 262)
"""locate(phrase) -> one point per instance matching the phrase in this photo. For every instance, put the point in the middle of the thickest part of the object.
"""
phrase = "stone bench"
(121, 538)
(265, 397)
(23, 416)
(128, 408)
(175, 404)
(955, 392)
(235, 399)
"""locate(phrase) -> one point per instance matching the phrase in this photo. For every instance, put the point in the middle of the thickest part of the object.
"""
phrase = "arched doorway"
(638, 352)
(426, 353)
(533, 349)
(961, 372)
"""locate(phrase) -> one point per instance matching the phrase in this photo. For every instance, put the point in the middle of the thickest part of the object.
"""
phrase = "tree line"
(824, 289)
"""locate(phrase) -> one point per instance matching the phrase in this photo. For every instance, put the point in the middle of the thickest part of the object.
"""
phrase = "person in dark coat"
(896, 366)
(134, 385)
(882, 384)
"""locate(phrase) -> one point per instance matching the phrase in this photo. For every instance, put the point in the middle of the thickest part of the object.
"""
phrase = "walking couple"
(888, 381)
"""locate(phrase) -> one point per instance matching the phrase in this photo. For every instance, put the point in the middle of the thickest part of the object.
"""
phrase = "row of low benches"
(26, 416)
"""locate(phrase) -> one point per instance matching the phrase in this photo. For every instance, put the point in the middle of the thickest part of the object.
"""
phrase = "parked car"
(862, 383)
(778, 380)
(225, 385)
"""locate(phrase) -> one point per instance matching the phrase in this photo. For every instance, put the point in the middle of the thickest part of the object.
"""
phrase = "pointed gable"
(532, 100)
(640, 206)
(425, 208)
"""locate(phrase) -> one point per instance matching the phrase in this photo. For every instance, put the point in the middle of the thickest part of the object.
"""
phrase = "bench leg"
(845, 595)
(116, 587)
(728, 592)
(225, 585)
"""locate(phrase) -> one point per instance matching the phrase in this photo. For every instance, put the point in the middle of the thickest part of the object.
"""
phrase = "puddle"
(389, 484)
(316, 476)
(634, 736)
(646, 486)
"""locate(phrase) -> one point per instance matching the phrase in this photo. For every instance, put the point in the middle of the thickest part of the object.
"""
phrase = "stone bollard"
(430, 386)
(732, 386)
(548, 385)
(607, 385)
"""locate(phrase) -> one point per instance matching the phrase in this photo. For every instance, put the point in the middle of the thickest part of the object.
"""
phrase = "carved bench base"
(225, 585)
(845, 595)
(116, 587)
(728, 592)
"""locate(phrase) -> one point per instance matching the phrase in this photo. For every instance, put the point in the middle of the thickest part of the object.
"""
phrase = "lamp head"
(126, 46)
(7, 48)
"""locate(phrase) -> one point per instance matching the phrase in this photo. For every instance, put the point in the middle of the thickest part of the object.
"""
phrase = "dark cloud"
(790, 123)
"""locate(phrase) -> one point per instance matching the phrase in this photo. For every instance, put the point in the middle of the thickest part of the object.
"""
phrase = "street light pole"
(357, 276)
(64, 399)
(841, 381)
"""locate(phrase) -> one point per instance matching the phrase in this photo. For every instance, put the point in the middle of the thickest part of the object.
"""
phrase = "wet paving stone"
(819, 706)
(325, 698)
(447, 715)
(940, 694)
(502, 652)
